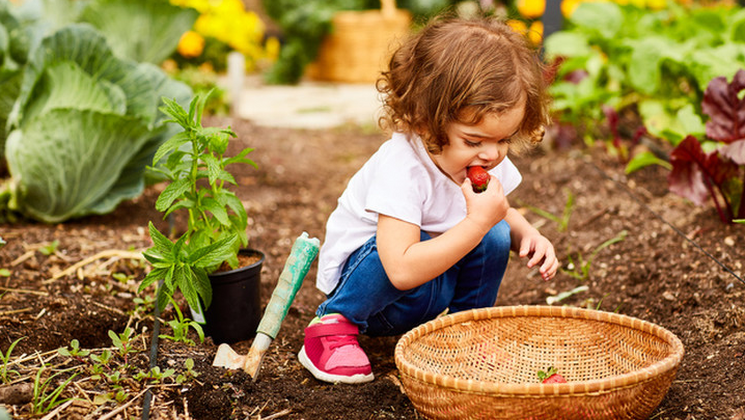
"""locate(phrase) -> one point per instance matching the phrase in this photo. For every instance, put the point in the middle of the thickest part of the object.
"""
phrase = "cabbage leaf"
(64, 162)
(84, 127)
(145, 31)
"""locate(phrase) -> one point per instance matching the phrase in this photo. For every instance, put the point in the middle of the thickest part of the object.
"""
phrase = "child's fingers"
(549, 268)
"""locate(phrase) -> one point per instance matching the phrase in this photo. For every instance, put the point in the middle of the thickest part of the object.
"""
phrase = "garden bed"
(670, 268)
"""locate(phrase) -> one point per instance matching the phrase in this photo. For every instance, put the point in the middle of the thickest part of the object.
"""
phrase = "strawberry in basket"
(550, 376)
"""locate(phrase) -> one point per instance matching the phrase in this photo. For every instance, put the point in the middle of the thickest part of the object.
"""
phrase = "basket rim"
(595, 386)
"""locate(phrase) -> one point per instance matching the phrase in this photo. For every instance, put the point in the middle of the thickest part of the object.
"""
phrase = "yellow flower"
(656, 4)
(535, 33)
(190, 45)
(517, 26)
(568, 7)
(531, 9)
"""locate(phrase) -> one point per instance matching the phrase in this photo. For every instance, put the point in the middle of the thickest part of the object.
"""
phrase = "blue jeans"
(367, 298)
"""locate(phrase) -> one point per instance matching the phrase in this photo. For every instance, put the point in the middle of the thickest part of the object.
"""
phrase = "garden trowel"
(302, 254)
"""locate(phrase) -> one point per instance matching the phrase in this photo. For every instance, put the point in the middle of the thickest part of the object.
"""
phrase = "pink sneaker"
(332, 354)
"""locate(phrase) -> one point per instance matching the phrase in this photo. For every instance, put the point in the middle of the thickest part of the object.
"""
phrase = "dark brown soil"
(670, 269)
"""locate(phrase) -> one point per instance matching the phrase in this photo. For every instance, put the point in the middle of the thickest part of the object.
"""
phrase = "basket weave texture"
(483, 364)
(360, 44)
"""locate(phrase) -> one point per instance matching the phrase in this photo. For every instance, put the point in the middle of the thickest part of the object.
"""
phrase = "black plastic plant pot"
(235, 311)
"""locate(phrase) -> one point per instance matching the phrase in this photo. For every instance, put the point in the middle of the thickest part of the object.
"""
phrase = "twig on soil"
(123, 407)
(131, 255)
(22, 258)
(16, 311)
(282, 413)
(33, 292)
(52, 414)
(82, 391)
(34, 356)
(108, 308)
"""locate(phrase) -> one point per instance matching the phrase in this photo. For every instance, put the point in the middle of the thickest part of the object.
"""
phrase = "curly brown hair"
(459, 70)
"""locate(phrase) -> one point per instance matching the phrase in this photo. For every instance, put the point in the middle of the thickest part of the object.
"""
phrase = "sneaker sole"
(328, 377)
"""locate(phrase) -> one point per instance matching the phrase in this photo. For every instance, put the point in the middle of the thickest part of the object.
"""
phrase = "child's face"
(484, 144)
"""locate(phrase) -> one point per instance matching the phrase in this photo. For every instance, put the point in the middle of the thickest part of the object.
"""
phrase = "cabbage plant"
(141, 30)
(84, 127)
(14, 46)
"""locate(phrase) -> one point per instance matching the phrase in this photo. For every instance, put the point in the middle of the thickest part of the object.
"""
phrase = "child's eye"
(508, 140)
(472, 143)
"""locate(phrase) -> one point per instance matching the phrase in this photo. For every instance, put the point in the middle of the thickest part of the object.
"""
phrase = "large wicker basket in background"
(483, 364)
(360, 44)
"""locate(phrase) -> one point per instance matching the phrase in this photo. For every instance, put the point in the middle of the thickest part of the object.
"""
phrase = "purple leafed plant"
(719, 174)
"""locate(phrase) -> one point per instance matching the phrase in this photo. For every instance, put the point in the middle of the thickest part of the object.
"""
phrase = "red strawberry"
(479, 178)
(550, 376)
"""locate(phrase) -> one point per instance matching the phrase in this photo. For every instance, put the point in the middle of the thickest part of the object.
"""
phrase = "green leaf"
(213, 254)
(217, 210)
(151, 277)
(213, 167)
(172, 192)
(186, 203)
(605, 18)
(644, 159)
(170, 145)
(65, 85)
(567, 44)
(202, 285)
(162, 245)
(177, 113)
(184, 279)
(241, 158)
(229, 199)
(140, 30)
(65, 162)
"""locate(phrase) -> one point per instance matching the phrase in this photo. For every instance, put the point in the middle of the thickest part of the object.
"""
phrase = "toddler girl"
(410, 238)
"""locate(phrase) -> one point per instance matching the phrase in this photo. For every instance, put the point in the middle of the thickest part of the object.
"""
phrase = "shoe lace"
(336, 341)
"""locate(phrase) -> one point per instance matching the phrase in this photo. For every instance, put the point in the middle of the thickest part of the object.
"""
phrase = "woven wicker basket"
(360, 44)
(483, 364)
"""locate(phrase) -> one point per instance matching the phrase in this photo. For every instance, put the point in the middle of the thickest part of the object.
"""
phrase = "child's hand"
(539, 250)
(488, 207)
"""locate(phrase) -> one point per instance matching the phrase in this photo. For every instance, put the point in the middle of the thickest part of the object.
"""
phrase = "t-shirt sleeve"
(393, 193)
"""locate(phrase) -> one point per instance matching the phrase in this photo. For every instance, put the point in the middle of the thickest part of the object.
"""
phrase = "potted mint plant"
(203, 263)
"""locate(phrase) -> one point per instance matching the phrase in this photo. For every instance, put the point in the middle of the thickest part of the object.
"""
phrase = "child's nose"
(489, 152)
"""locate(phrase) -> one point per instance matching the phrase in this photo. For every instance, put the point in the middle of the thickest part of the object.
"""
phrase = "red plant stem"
(741, 209)
(709, 187)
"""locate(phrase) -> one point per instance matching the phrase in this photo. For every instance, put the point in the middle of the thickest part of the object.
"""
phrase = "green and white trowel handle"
(302, 254)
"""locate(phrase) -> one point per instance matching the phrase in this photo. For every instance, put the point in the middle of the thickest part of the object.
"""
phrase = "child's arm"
(409, 262)
(528, 242)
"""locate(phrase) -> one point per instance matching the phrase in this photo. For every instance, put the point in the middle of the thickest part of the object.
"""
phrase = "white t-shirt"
(400, 180)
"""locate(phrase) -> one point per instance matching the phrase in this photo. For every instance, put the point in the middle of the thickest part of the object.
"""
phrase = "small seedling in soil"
(562, 221)
(189, 374)
(580, 269)
(551, 376)
(100, 364)
(44, 401)
(180, 327)
(74, 351)
(122, 342)
(155, 376)
(5, 370)
(49, 249)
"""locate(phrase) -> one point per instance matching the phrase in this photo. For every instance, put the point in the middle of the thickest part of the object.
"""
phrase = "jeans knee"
(498, 239)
